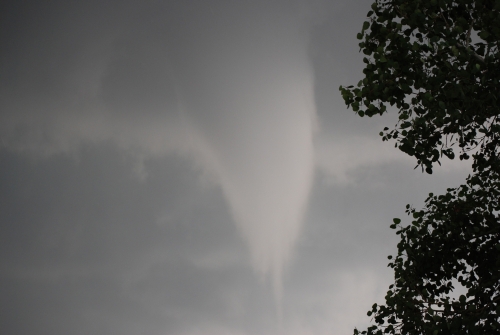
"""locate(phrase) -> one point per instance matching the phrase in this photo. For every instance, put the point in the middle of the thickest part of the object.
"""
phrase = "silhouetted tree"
(438, 63)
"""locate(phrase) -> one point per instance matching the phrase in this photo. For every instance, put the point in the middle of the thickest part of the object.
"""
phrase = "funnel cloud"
(232, 90)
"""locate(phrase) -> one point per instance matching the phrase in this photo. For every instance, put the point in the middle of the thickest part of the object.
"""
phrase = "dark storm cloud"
(227, 84)
(83, 239)
(149, 80)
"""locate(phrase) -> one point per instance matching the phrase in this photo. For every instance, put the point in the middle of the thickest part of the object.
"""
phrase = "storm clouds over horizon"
(189, 168)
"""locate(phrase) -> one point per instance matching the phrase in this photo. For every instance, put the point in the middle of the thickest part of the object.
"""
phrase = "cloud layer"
(230, 87)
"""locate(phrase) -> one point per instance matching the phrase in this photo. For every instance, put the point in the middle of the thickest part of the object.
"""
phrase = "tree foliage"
(422, 58)
(438, 63)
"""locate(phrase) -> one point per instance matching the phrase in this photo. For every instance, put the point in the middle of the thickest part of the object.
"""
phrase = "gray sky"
(190, 168)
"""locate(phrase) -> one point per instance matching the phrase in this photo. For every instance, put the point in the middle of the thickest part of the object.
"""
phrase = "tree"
(437, 63)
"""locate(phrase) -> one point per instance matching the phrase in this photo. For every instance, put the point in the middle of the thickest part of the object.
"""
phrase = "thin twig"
(468, 37)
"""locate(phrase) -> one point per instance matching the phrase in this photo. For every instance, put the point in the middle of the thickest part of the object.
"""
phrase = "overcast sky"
(190, 168)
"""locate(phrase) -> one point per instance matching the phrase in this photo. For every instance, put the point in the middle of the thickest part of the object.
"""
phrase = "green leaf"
(396, 220)
(484, 34)
(449, 153)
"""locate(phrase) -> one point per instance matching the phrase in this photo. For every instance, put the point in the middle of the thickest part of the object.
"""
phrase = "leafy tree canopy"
(437, 62)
